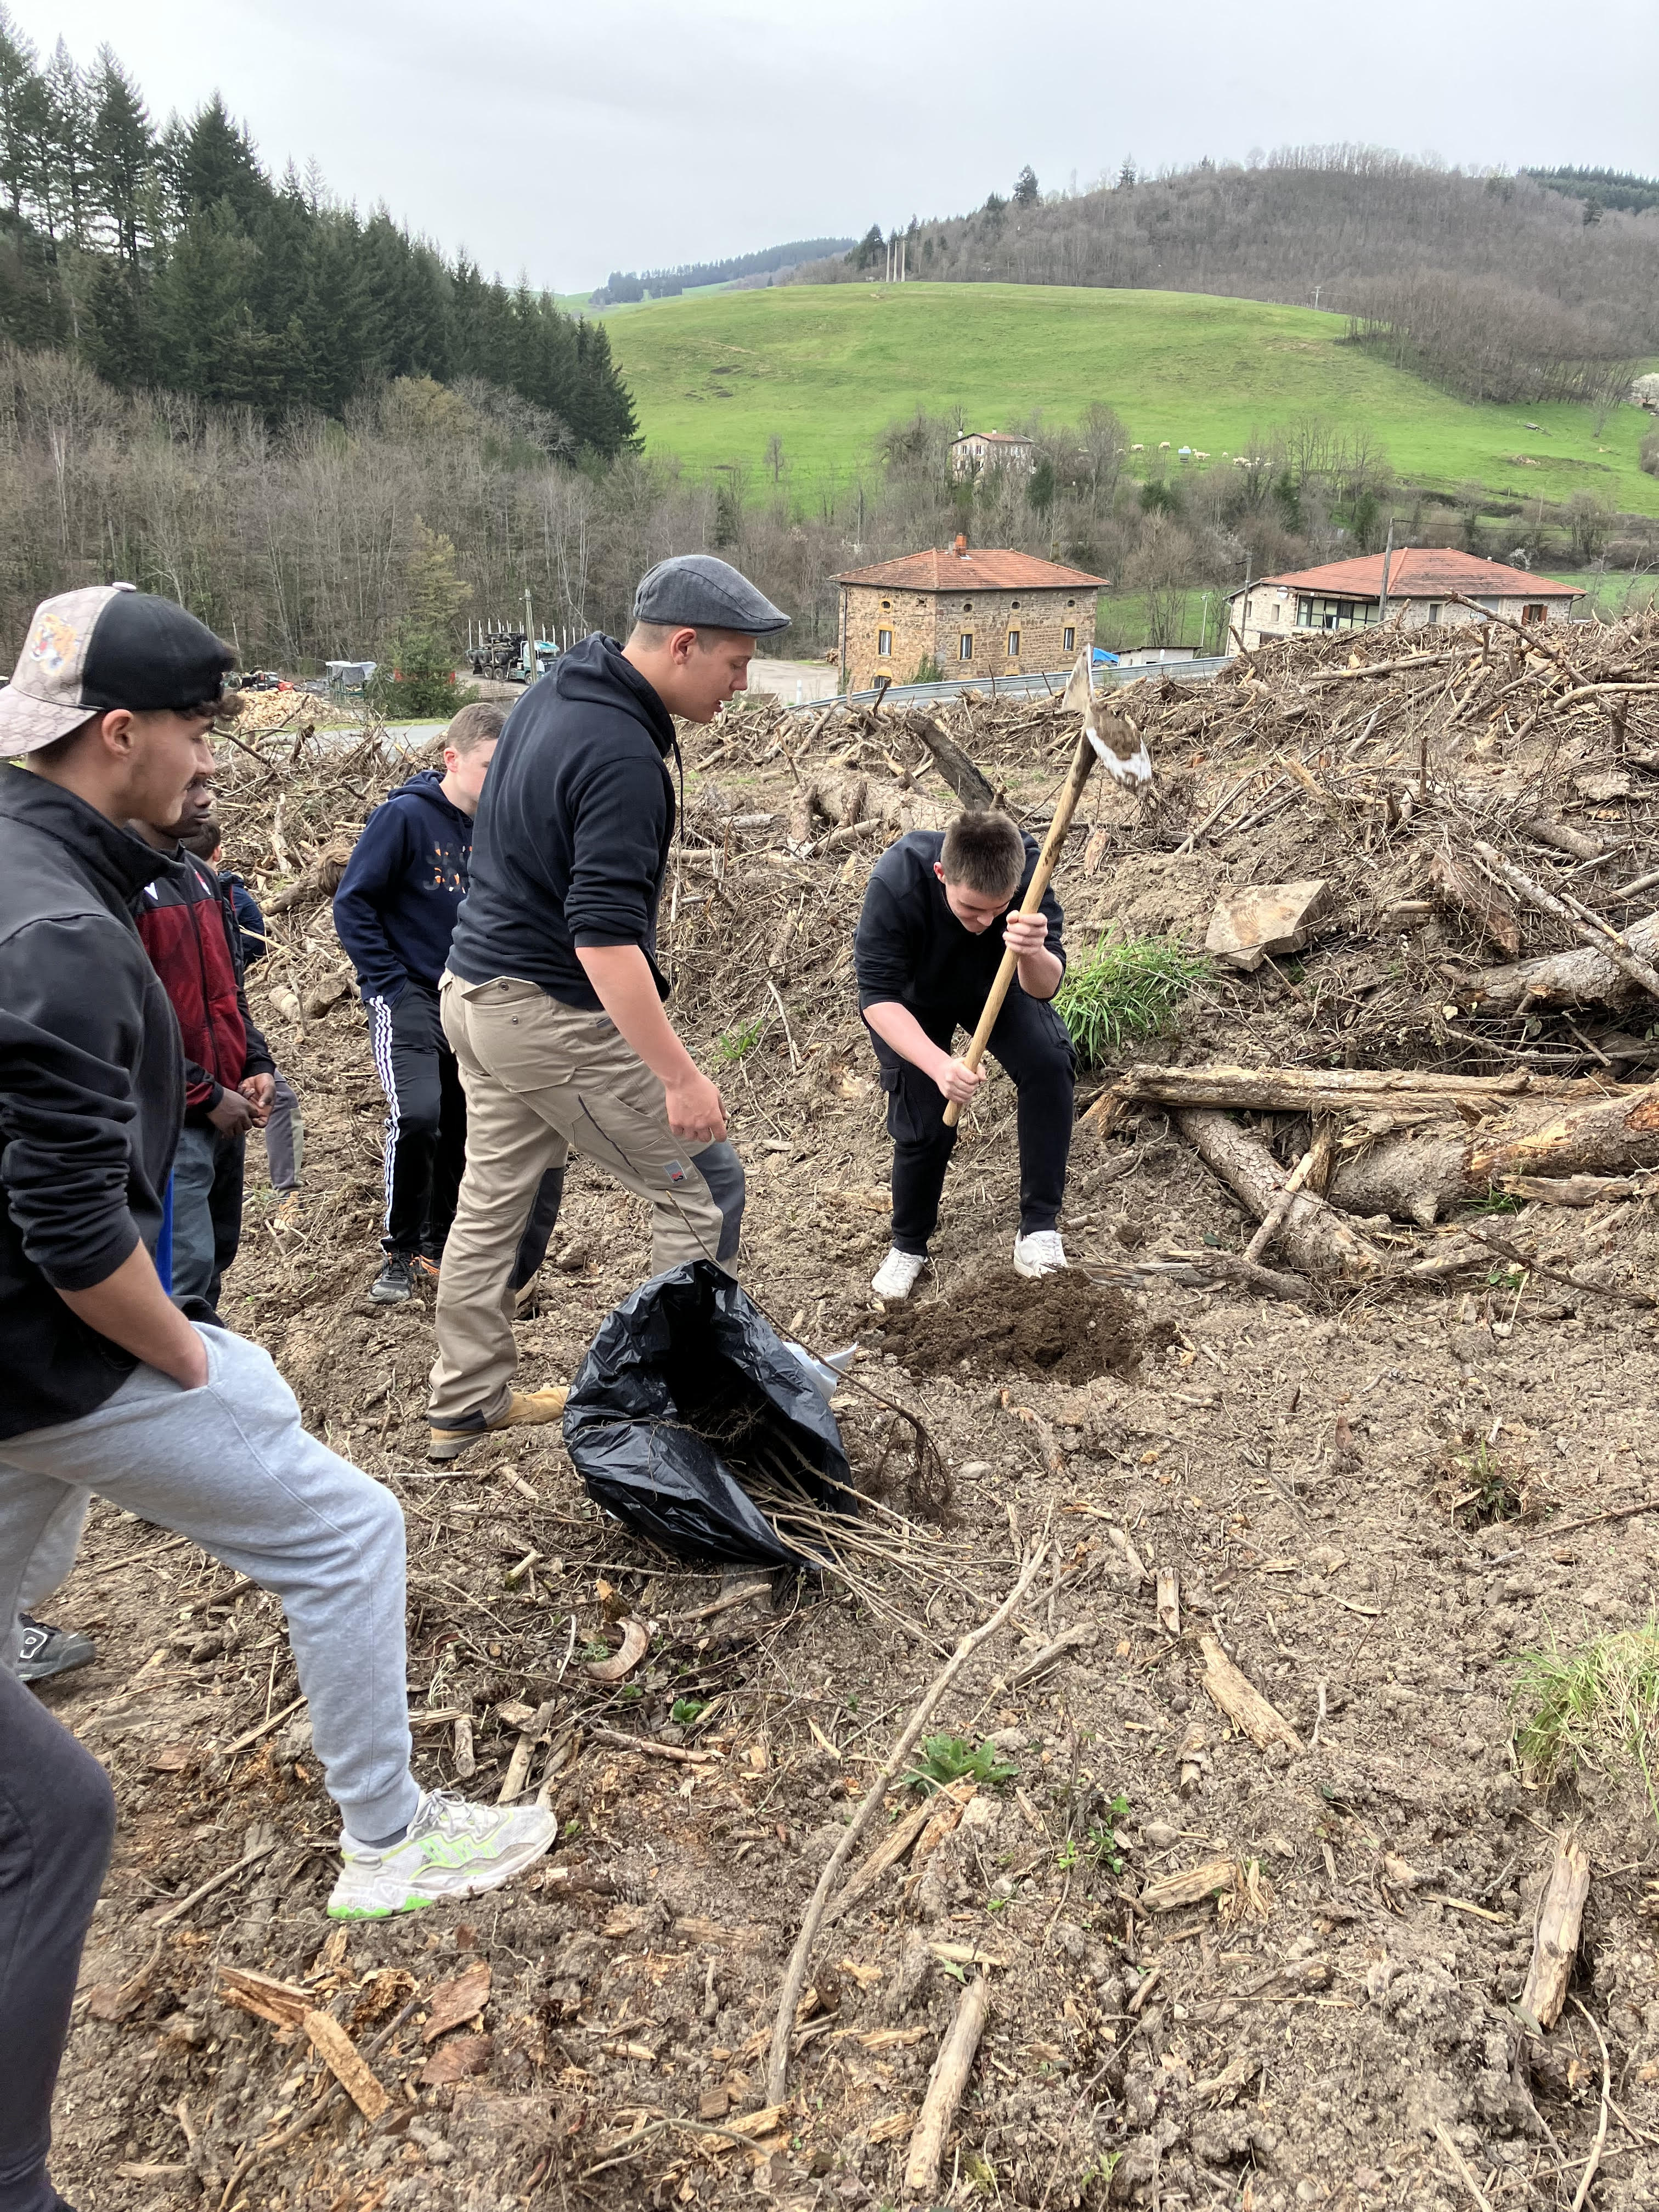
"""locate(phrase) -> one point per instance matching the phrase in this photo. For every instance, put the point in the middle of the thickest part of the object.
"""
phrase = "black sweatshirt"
(911, 948)
(92, 1092)
(573, 830)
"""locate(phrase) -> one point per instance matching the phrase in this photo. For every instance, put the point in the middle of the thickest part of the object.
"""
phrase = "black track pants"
(56, 1820)
(1033, 1046)
(426, 1121)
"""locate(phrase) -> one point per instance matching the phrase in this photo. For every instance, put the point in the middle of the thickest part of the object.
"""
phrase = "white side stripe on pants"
(380, 1033)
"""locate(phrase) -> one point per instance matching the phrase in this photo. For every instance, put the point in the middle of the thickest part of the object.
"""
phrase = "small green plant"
(684, 1712)
(1125, 991)
(928, 671)
(947, 1758)
(737, 1044)
(1495, 1202)
(1595, 1705)
(1488, 1482)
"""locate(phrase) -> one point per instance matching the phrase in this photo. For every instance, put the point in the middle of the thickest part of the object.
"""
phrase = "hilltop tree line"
(1494, 286)
(170, 257)
(668, 283)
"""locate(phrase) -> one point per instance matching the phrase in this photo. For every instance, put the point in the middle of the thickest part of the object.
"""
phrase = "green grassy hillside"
(825, 368)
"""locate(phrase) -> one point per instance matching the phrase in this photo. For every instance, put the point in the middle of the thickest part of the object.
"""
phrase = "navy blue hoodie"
(573, 829)
(395, 909)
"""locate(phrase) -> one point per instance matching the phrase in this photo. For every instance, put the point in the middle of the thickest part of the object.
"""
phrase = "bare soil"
(1336, 2027)
(1064, 1327)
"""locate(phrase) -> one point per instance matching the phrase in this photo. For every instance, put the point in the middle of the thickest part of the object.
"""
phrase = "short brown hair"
(984, 853)
(480, 724)
(654, 635)
(204, 840)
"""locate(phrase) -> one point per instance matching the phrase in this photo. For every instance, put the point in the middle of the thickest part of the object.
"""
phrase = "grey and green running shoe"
(453, 1849)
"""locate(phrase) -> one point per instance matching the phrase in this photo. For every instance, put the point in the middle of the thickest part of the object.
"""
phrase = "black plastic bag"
(689, 1352)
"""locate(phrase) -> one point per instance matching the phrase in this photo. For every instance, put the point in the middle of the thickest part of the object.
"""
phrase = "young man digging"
(553, 1000)
(106, 1385)
(926, 953)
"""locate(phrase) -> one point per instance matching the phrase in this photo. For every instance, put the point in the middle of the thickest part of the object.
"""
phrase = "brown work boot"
(525, 1409)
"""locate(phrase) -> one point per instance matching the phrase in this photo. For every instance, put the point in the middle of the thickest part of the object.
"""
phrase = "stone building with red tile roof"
(979, 612)
(1420, 584)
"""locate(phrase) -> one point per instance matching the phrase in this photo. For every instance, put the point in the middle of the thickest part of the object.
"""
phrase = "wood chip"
(1168, 1600)
(635, 1645)
(1198, 1886)
(1242, 1702)
(1555, 1938)
(340, 2055)
(462, 2055)
(280, 2002)
(464, 1998)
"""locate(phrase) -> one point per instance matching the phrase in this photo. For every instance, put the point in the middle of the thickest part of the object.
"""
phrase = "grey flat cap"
(697, 589)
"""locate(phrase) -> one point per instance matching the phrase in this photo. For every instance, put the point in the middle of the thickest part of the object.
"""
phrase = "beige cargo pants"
(539, 1075)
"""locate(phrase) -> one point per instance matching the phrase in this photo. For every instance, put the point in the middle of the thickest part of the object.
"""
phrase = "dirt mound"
(1063, 1327)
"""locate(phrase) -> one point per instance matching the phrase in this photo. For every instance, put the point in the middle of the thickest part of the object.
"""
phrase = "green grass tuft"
(1595, 1706)
(737, 1044)
(1125, 991)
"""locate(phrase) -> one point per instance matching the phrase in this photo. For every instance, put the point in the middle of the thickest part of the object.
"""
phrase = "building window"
(886, 605)
(1434, 612)
(1314, 613)
(967, 606)
(1013, 606)
(1273, 614)
(1068, 641)
(1014, 645)
(965, 646)
(884, 641)
(1534, 612)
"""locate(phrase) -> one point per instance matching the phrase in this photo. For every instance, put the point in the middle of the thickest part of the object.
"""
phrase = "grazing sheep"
(1137, 449)
(1200, 454)
(1163, 445)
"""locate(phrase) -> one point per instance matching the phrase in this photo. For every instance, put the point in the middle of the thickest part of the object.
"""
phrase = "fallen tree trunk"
(1414, 1175)
(1312, 1237)
(1606, 1135)
(1323, 1090)
(1582, 977)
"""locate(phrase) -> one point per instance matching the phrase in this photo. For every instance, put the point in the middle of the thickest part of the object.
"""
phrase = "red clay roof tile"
(986, 568)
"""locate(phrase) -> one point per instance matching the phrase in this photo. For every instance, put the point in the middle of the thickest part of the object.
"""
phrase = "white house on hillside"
(976, 450)
(1421, 579)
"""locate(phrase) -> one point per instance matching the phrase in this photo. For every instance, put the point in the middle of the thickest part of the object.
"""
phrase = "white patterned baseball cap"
(109, 645)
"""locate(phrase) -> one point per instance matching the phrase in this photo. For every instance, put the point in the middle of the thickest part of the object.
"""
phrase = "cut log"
(1599, 935)
(945, 2089)
(1324, 1089)
(1414, 1175)
(1555, 1938)
(319, 881)
(1311, 1237)
(952, 763)
(1605, 1136)
(1584, 976)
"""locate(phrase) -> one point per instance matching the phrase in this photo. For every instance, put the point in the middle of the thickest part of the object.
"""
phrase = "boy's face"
(465, 772)
(198, 804)
(972, 909)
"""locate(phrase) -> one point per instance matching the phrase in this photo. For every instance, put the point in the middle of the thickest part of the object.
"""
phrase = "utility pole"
(1387, 555)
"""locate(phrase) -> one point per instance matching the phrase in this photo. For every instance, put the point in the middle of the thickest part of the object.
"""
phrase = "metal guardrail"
(1013, 687)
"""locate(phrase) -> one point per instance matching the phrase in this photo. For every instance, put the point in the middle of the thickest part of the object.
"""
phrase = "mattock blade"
(1130, 768)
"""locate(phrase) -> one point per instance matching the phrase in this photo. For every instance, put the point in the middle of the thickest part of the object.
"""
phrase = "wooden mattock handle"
(1047, 859)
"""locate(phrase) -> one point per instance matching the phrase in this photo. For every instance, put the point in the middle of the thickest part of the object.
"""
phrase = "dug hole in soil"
(1372, 1501)
(1060, 1325)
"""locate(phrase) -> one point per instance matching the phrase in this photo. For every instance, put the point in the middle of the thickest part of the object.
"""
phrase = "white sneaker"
(1039, 1254)
(896, 1277)
(453, 1849)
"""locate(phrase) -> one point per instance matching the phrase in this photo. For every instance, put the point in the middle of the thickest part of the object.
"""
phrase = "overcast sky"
(564, 142)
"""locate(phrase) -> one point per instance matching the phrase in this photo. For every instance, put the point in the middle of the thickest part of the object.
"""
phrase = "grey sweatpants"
(231, 1466)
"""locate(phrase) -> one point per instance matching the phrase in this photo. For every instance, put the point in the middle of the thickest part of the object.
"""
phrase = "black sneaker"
(396, 1280)
(47, 1651)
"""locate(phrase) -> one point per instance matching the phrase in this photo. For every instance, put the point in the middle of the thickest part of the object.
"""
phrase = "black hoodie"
(573, 830)
(92, 1092)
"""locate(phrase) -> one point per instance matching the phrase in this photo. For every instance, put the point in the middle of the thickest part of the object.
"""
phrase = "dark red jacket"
(183, 921)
